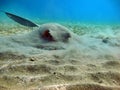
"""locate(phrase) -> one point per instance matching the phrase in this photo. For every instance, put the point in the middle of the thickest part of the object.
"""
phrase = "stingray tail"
(20, 20)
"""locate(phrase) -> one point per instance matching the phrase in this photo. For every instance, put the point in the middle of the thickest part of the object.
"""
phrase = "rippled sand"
(93, 66)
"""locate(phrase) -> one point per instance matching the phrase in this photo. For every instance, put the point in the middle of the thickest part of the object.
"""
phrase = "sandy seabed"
(93, 65)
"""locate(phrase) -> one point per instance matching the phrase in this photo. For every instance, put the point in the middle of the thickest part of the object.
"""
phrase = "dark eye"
(47, 36)
(66, 36)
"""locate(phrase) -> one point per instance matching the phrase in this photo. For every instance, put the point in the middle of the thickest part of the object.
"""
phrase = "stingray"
(23, 21)
(46, 34)
(49, 36)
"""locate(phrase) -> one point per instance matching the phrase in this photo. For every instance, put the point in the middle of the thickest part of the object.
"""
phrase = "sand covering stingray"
(53, 36)
(47, 37)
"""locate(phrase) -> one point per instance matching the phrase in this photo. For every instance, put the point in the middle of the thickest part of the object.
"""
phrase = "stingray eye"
(47, 36)
(66, 36)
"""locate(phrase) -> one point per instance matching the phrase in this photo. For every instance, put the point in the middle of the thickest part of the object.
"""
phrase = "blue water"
(98, 11)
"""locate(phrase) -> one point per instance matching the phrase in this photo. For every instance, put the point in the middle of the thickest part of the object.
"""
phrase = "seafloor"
(93, 65)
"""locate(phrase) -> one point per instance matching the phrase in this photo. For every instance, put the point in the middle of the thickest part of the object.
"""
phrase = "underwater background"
(90, 11)
(74, 46)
